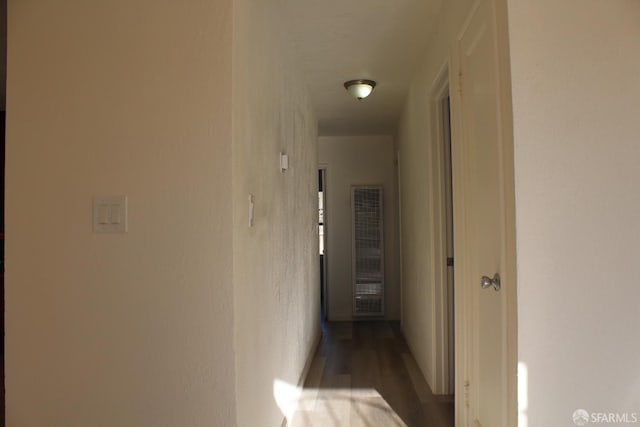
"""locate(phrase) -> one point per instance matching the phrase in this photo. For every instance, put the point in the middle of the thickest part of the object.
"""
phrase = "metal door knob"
(487, 282)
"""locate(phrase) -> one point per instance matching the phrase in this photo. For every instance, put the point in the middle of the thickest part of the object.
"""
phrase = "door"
(484, 219)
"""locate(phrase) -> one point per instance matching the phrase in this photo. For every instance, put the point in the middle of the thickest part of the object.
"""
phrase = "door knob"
(487, 282)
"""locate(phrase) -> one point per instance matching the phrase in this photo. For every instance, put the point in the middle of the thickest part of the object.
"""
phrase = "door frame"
(439, 90)
(463, 234)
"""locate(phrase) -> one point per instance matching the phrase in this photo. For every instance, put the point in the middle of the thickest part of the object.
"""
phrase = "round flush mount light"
(360, 88)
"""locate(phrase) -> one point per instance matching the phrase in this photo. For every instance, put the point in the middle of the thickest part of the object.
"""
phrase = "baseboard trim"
(307, 365)
(362, 319)
(310, 356)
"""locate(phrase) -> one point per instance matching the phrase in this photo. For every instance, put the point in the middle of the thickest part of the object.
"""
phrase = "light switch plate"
(110, 214)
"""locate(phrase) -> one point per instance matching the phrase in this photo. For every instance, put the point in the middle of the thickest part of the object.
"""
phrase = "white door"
(484, 224)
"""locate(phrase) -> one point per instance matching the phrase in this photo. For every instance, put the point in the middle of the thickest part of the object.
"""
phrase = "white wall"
(357, 160)
(421, 211)
(276, 269)
(105, 98)
(575, 70)
(192, 316)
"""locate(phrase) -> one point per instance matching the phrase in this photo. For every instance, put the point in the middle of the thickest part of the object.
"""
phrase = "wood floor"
(363, 375)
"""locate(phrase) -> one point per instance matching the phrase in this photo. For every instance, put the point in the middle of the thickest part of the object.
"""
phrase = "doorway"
(322, 234)
(445, 382)
(445, 110)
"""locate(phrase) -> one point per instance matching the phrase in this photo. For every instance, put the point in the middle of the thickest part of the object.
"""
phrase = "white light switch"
(103, 214)
(115, 214)
(110, 214)
(284, 162)
(251, 207)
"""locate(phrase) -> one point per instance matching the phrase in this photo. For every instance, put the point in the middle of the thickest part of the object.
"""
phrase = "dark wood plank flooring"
(363, 375)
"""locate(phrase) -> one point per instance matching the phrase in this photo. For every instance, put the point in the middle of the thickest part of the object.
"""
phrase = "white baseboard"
(307, 365)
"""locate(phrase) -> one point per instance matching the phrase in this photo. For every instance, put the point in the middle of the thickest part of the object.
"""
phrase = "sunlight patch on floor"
(523, 394)
(329, 407)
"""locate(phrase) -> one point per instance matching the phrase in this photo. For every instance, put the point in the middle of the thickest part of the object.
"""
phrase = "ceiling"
(340, 40)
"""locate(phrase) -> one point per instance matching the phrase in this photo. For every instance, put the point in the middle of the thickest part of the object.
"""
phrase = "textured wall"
(124, 97)
(276, 265)
(575, 68)
(358, 160)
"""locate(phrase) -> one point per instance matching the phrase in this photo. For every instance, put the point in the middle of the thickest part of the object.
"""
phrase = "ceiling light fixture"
(360, 88)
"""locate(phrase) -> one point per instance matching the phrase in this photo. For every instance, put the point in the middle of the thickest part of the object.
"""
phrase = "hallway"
(363, 375)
